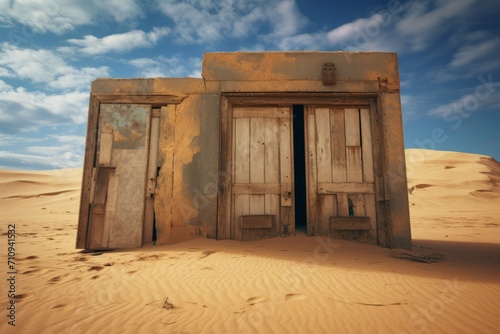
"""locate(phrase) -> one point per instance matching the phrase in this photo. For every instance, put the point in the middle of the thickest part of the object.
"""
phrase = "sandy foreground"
(449, 283)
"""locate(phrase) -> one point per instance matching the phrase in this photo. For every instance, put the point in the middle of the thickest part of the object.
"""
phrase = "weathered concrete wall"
(187, 186)
(396, 182)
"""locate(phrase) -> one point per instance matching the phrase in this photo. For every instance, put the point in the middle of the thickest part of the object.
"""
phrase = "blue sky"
(50, 51)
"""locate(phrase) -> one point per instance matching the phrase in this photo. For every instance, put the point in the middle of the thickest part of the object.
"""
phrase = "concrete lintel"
(264, 66)
(361, 86)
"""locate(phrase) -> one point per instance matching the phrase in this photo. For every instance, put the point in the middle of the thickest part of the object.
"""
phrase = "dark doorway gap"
(299, 154)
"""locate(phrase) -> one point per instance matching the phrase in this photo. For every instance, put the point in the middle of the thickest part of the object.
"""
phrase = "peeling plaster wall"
(176, 205)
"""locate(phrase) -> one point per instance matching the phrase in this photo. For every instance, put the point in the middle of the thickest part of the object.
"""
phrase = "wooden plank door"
(119, 177)
(262, 182)
(340, 177)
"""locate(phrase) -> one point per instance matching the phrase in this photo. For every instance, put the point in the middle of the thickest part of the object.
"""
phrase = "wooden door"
(118, 193)
(262, 173)
(340, 176)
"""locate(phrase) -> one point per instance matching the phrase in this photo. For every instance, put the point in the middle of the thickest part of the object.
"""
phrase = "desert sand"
(449, 283)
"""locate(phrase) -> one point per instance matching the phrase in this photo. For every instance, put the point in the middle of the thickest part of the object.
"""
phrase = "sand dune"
(448, 284)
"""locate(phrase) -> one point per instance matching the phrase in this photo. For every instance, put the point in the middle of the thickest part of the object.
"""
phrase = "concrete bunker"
(265, 144)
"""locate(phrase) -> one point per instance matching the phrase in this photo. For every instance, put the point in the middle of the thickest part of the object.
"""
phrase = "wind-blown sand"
(283, 285)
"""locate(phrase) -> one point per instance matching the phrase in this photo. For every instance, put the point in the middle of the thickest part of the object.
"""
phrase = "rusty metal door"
(119, 191)
(262, 182)
(340, 176)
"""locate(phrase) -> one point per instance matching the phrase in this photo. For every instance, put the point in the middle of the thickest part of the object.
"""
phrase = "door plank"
(241, 208)
(311, 171)
(337, 140)
(323, 148)
(358, 200)
(326, 209)
(354, 164)
(342, 205)
(105, 145)
(147, 233)
(352, 133)
(366, 144)
(98, 207)
(257, 162)
(272, 207)
(82, 235)
(241, 160)
(257, 150)
(110, 214)
(287, 223)
(271, 154)
(241, 163)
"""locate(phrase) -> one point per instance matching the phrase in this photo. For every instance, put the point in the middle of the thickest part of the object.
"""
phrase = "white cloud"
(44, 66)
(426, 21)
(211, 20)
(21, 110)
(172, 67)
(119, 42)
(63, 159)
(470, 53)
(410, 27)
(479, 98)
(59, 16)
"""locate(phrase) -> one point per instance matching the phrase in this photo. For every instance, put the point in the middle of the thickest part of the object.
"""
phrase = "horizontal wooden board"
(350, 223)
(257, 221)
(353, 187)
(261, 112)
(256, 188)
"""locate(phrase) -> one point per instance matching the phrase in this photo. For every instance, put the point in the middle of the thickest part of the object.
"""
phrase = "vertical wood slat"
(354, 164)
(241, 161)
(337, 140)
(352, 133)
(167, 129)
(342, 205)
(323, 147)
(366, 145)
(256, 162)
(286, 174)
(147, 233)
(271, 172)
(88, 164)
(358, 200)
(98, 208)
(324, 166)
(225, 171)
(311, 170)
(105, 145)
(241, 150)
(110, 215)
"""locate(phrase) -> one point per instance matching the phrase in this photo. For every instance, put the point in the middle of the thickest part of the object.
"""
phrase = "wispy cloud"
(62, 16)
(212, 20)
(477, 99)
(22, 110)
(92, 45)
(45, 66)
(471, 53)
(410, 27)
